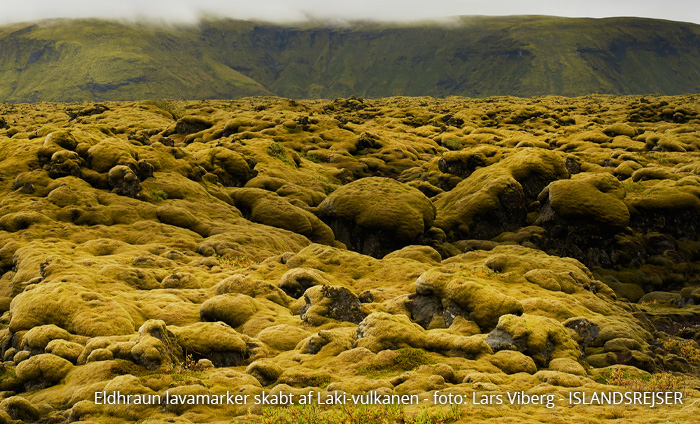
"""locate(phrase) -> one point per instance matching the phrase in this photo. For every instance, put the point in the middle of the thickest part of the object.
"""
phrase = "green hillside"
(101, 60)
(71, 60)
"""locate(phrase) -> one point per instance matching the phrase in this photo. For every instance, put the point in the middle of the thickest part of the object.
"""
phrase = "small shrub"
(158, 195)
(189, 365)
(662, 382)
(186, 370)
(633, 186)
(310, 156)
(687, 349)
(7, 372)
(277, 150)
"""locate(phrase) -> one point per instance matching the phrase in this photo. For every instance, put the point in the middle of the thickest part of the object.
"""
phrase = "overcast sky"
(294, 10)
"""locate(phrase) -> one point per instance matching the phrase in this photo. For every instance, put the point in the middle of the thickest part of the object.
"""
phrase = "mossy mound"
(472, 299)
(42, 371)
(513, 362)
(109, 153)
(71, 307)
(218, 342)
(331, 302)
(230, 167)
(282, 336)
(377, 215)
(234, 309)
(585, 201)
(155, 347)
(678, 202)
(540, 338)
(270, 209)
(381, 331)
(295, 281)
(463, 162)
(495, 199)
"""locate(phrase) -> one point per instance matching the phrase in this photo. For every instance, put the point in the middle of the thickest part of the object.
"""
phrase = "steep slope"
(471, 56)
(77, 60)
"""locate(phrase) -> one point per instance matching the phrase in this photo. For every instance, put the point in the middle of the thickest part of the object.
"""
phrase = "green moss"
(407, 359)
(633, 186)
(310, 156)
(277, 150)
(314, 414)
(235, 261)
(297, 379)
(540, 338)
(493, 198)
(9, 372)
(270, 209)
(356, 414)
(96, 265)
(590, 198)
(124, 367)
(381, 204)
(381, 330)
(453, 144)
(180, 373)
(158, 195)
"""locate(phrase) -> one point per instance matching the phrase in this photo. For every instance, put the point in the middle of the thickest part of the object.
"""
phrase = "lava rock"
(331, 302)
(156, 346)
(124, 181)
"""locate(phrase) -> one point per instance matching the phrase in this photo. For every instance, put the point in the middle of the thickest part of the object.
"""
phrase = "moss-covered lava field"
(399, 246)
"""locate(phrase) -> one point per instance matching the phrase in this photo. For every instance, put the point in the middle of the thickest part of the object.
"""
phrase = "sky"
(189, 11)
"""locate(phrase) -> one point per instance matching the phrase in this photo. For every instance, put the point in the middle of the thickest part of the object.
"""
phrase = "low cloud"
(190, 11)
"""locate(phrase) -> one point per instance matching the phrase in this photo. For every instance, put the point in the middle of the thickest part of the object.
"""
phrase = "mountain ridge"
(475, 56)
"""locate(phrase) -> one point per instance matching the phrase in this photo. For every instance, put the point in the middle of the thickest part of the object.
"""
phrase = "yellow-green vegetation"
(185, 371)
(687, 349)
(277, 150)
(235, 261)
(158, 195)
(407, 359)
(662, 382)
(310, 156)
(348, 247)
(360, 414)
